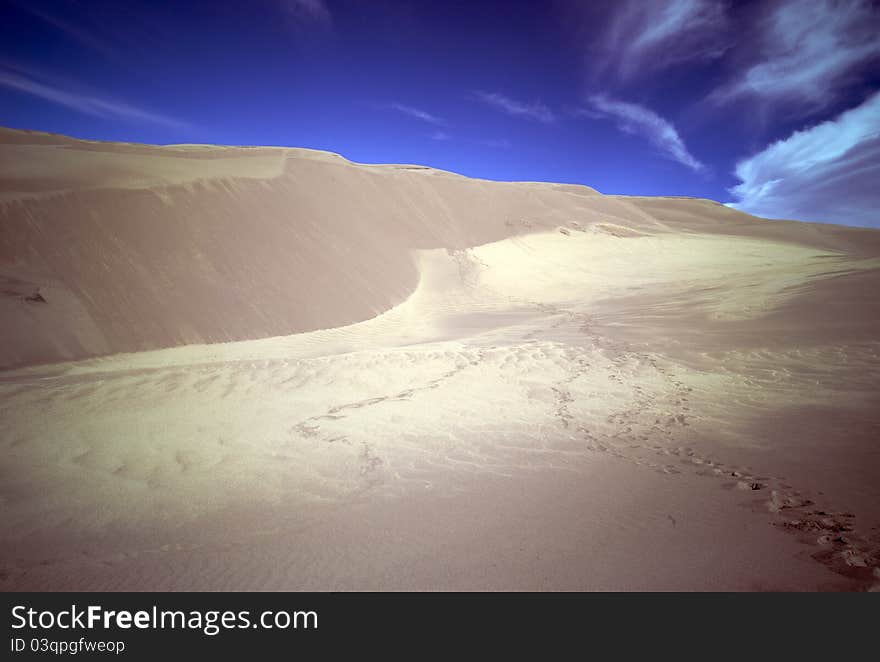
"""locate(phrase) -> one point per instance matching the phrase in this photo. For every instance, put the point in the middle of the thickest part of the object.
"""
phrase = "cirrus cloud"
(641, 121)
(827, 173)
(418, 113)
(534, 110)
(643, 36)
(85, 103)
(806, 48)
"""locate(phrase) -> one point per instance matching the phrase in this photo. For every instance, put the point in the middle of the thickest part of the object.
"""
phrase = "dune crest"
(278, 369)
(137, 247)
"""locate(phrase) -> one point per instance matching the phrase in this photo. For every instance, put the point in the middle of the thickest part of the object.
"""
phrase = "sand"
(277, 370)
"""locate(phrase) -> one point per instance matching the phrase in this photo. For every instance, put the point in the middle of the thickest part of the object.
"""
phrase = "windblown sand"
(269, 368)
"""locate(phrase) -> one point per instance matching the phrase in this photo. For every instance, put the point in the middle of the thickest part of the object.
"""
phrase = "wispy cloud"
(638, 120)
(88, 104)
(314, 12)
(498, 143)
(441, 136)
(418, 114)
(534, 110)
(806, 48)
(645, 36)
(580, 112)
(828, 172)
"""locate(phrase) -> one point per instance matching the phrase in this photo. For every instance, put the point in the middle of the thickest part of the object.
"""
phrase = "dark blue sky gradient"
(333, 75)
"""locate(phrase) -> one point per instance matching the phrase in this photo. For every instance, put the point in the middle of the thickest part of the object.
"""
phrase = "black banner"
(146, 625)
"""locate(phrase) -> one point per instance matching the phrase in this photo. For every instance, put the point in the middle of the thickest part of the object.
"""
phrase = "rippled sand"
(661, 402)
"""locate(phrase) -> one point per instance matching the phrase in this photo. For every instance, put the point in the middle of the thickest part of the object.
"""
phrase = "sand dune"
(271, 368)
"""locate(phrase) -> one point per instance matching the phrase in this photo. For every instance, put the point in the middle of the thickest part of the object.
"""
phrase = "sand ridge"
(559, 390)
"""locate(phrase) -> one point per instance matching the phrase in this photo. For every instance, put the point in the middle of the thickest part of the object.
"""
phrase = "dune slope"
(136, 247)
(268, 368)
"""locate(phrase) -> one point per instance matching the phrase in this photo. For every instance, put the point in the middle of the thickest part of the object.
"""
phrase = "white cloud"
(534, 110)
(638, 120)
(651, 35)
(440, 135)
(418, 114)
(90, 105)
(806, 48)
(828, 172)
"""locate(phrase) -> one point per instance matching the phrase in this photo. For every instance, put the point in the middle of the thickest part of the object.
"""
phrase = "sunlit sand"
(277, 369)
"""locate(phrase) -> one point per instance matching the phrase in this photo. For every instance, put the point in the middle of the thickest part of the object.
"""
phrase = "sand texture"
(273, 368)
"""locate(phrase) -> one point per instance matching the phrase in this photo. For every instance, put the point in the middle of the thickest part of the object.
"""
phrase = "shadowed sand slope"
(136, 247)
(392, 377)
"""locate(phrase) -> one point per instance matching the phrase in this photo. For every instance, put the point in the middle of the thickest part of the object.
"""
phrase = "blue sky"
(772, 106)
